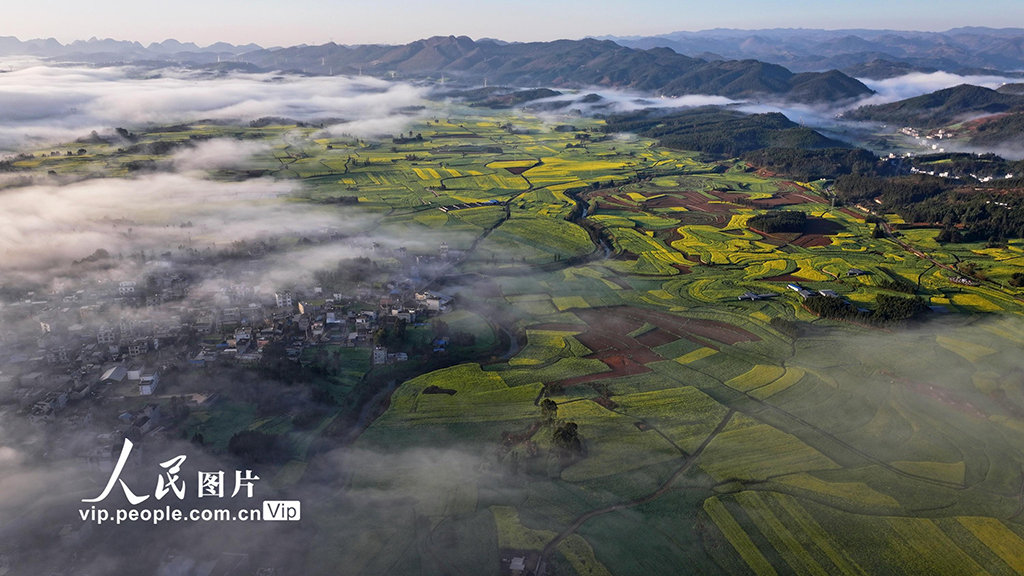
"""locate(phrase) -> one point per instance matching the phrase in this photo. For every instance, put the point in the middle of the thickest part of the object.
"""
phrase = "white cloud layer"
(917, 84)
(45, 227)
(50, 103)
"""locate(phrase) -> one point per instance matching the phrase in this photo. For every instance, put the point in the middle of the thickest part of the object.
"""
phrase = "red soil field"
(695, 201)
(811, 240)
(656, 338)
(785, 278)
(606, 334)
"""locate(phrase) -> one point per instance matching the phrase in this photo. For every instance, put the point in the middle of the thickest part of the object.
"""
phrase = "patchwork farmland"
(719, 435)
(601, 278)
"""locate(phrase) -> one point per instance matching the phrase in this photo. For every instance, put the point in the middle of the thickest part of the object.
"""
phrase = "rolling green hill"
(722, 132)
(809, 165)
(1005, 130)
(940, 108)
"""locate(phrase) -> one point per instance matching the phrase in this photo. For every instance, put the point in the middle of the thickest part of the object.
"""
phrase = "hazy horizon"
(204, 44)
(263, 22)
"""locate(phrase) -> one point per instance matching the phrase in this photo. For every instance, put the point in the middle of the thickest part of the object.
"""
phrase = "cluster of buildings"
(940, 134)
(910, 131)
(83, 367)
(805, 293)
(964, 281)
(61, 347)
(466, 205)
(74, 343)
(927, 139)
(752, 296)
(948, 174)
(346, 320)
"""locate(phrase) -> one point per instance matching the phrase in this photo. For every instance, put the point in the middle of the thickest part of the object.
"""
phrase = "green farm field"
(716, 436)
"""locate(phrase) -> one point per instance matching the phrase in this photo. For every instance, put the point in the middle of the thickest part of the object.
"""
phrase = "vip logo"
(282, 510)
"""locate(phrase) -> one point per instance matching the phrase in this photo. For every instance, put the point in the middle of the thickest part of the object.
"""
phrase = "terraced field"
(715, 435)
(716, 439)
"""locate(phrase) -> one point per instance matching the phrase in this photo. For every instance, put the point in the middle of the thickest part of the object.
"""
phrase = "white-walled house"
(149, 383)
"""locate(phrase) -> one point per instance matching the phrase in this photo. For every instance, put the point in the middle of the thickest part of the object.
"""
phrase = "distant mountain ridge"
(960, 50)
(126, 49)
(866, 53)
(566, 63)
(561, 63)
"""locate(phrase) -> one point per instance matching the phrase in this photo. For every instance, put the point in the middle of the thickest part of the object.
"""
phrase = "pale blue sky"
(286, 22)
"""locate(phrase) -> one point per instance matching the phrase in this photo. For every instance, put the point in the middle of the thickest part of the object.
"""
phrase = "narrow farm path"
(664, 488)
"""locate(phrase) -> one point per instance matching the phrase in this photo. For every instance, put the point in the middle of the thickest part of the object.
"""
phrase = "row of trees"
(779, 221)
(256, 447)
(888, 309)
(809, 165)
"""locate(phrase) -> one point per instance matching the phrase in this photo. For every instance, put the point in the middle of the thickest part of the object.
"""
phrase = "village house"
(203, 357)
(106, 336)
(283, 299)
(752, 296)
(149, 383)
(114, 375)
(803, 292)
(138, 348)
(135, 370)
(81, 390)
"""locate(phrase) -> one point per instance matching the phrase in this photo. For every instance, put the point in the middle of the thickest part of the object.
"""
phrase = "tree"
(321, 395)
(255, 446)
(440, 328)
(780, 221)
(399, 334)
(549, 409)
(567, 439)
(464, 339)
(308, 417)
(274, 363)
(179, 409)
